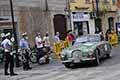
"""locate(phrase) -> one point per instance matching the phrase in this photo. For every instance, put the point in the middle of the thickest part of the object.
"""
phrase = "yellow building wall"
(81, 4)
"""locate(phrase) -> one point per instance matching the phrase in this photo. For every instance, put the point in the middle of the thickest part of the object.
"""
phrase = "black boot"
(13, 74)
(7, 74)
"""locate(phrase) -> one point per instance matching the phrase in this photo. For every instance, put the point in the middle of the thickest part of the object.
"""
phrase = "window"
(98, 24)
(87, 1)
(113, 2)
(111, 22)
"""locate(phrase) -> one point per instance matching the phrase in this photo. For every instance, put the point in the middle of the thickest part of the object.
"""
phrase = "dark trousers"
(39, 53)
(9, 60)
(26, 63)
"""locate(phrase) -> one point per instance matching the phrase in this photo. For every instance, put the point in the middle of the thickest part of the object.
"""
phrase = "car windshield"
(87, 38)
(94, 38)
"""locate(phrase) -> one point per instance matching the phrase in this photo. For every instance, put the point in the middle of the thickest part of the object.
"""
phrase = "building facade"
(33, 16)
(37, 16)
(42, 16)
(5, 17)
(102, 15)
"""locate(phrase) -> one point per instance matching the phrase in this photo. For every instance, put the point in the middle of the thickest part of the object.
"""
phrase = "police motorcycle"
(1, 54)
(32, 55)
(44, 58)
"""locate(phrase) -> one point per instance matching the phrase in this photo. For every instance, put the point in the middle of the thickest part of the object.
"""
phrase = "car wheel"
(69, 65)
(97, 60)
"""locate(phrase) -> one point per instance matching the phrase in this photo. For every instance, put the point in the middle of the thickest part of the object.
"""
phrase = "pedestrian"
(46, 41)
(57, 37)
(107, 33)
(39, 45)
(70, 38)
(9, 57)
(24, 46)
(113, 38)
(101, 36)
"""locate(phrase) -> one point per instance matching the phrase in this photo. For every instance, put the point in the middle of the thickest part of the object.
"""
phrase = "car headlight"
(76, 53)
(91, 54)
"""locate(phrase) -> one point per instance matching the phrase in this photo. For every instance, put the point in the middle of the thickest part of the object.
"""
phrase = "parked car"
(86, 48)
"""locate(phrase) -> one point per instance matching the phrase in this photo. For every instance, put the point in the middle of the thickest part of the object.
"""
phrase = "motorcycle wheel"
(33, 57)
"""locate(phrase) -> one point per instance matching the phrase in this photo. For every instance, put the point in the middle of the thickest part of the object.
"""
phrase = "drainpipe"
(46, 5)
(97, 8)
(69, 12)
(94, 14)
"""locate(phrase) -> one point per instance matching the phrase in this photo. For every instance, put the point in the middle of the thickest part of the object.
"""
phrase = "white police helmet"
(2, 35)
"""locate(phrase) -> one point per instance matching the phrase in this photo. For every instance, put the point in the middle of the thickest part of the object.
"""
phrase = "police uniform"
(24, 46)
(9, 58)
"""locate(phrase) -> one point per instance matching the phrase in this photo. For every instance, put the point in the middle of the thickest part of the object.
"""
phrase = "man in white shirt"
(39, 45)
(46, 41)
(9, 58)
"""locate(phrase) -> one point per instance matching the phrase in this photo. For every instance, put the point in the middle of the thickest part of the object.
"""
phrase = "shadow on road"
(103, 62)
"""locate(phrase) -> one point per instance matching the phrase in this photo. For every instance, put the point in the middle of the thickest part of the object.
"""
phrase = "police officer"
(9, 58)
(24, 46)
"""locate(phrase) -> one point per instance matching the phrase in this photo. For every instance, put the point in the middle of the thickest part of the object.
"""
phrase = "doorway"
(81, 28)
(60, 25)
(111, 22)
(98, 25)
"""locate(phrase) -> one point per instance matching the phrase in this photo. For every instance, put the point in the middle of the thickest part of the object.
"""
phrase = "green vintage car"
(86, 48)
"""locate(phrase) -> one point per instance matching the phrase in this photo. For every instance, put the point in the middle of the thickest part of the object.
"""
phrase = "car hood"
(84, 47)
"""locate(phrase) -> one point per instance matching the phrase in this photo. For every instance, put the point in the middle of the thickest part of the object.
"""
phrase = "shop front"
(81, 23)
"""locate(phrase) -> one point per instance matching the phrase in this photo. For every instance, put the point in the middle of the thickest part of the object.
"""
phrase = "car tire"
(97, 60)
(69, 65)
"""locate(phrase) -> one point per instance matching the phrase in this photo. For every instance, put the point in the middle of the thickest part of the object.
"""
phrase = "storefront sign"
(80, 16)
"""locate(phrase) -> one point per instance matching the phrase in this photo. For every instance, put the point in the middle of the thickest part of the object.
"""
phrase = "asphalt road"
(109, 69)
